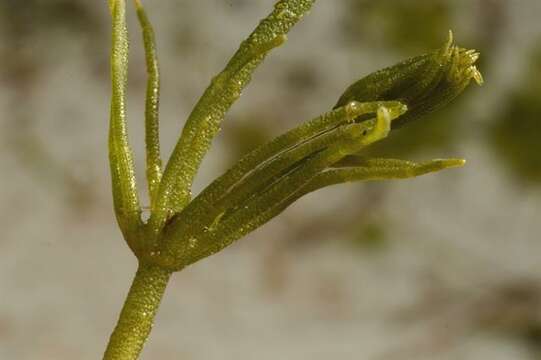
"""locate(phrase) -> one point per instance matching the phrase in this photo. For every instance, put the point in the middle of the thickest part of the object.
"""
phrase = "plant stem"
(137, 315)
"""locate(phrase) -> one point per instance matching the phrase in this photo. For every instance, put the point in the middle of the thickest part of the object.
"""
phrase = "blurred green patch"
(408, 25)
(371, 235)
(515, 133)
(46, 15)
(246, 133)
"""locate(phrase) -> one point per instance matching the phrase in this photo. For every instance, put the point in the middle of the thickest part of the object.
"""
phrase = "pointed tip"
(436, 165)
(450, 37)
(446, 51)
(453, 163)
(396, 111)
(402, 109)
(477, 76)
(450, 40)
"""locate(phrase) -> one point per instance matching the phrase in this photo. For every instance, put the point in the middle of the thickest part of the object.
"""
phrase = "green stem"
(137, 315)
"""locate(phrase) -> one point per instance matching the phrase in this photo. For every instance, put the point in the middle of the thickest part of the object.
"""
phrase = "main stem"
(137, 315)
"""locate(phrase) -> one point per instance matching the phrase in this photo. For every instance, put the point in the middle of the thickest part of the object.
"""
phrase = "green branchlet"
(152, 107)
(318, 153)
(125, 196)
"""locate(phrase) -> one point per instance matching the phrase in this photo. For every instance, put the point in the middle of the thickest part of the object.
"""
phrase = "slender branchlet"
(152, 106)
(361, 169)
(126, 201)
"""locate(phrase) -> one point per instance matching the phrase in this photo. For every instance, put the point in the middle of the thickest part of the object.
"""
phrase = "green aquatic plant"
(316, 154)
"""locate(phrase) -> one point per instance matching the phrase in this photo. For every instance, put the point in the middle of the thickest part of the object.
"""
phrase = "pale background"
(446, 266)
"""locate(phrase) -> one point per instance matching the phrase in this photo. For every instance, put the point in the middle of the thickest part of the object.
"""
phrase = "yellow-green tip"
(451, 163)
(461, 62)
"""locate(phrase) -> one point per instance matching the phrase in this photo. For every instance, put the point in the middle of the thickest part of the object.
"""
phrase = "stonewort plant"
(318, 153)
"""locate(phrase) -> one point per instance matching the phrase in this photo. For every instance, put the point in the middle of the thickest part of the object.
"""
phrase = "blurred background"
(445, 266)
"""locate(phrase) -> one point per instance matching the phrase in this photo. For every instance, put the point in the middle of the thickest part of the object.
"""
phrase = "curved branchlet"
(204, 121)
(245, 215)
(424, 83)
(356, 168)
(126, 200)
(152, 106)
